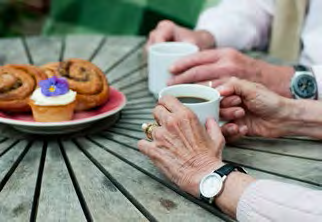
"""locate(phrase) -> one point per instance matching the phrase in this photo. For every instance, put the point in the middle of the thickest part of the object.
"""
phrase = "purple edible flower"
(54, 86)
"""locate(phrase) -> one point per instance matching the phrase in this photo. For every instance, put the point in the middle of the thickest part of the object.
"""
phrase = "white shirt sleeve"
(242, 24)
(317, 70)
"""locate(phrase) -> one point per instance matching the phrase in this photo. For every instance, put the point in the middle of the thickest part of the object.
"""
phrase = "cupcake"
(53, 101)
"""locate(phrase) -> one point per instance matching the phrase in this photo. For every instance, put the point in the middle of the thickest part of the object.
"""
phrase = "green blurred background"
(119, 17)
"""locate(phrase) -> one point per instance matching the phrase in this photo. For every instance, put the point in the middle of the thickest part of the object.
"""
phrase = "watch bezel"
(294, 85)
(219, 178)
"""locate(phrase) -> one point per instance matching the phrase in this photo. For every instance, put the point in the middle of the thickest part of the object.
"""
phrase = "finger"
(233, 132)
(164, 31)
(172, 104)
(145, 147)
(238, 87)
(198, 74)
(213, 83)
(161, 114)
(230, 101)
(201, 58)
(213, 129)
(232, 113)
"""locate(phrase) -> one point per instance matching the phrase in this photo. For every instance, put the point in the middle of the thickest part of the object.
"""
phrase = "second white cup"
(204, 101)
(160, 57)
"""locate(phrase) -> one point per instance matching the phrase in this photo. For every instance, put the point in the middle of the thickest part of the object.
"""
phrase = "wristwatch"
(211, 185)
(303, 84)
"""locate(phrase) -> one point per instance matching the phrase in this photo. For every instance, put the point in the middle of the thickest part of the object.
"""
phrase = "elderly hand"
(218, 64)
(182, 148)
(253, 109)
(169, 31)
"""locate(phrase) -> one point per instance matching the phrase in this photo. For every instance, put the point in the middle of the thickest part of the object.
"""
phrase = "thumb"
(213, 129)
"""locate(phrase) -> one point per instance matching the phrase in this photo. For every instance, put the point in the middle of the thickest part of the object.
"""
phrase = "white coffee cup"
(203, 110)
(161, 57)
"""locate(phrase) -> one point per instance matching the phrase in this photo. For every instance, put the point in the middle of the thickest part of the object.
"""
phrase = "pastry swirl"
(83, 77)
(17, 83)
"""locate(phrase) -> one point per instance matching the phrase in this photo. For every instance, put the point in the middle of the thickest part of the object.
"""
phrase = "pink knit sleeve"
(267, 200)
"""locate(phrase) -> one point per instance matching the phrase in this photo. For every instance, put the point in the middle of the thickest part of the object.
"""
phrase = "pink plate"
(25, 122)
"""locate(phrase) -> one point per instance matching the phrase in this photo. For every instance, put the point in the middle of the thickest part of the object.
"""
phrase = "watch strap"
(228, 168)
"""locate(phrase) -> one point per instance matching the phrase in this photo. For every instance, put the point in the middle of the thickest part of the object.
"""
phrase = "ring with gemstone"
(148, 128)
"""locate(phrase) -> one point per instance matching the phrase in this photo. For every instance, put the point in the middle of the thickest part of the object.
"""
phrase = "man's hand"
(218, 64)
(265, 113)
(167, 31)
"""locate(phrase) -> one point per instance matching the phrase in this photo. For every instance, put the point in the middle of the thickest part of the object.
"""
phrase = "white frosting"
(42, 100)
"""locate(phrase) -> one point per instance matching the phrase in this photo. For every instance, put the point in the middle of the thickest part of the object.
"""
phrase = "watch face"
(305, 86)
(211, 185)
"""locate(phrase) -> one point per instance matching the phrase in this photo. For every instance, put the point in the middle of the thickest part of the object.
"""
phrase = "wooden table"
(102, 176)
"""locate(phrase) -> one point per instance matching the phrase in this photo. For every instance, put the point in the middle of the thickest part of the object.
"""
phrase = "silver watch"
(303, 84)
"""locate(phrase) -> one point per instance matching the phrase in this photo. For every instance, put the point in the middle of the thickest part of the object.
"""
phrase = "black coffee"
(190, 99)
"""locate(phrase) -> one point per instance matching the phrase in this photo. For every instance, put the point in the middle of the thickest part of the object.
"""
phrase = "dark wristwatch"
(212, 184)
(303, 84)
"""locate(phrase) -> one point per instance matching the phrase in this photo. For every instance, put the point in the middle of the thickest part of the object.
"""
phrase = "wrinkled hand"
(182, 148)
(167, 31)
(218, 65)
(213, 65)
(252, 109)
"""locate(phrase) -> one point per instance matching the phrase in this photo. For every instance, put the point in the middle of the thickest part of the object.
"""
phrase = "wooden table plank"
(58, 200)
(20, 188)
(44, 49)
(290, 147)
(9, 158)
(299, 169)
(12, 51)
(82, 46)
(6, 145)
(115, 50)
(163, 203)
(104, 201)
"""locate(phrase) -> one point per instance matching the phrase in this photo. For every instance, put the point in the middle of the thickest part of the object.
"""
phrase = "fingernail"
(231, 130)
(243, 129)
(221, 88)
(239, 113)
(236, 102)
(172, 68)
(170, 82)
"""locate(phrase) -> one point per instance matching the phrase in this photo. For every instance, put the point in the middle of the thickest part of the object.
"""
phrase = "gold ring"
(148, 128)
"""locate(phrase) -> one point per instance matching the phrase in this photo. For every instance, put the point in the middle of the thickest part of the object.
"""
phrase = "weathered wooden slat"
(12, 51)
(142, 102)
(6, 145)
(82, 46)
(17, 197)
(58, 200)
(296, 168)
(129, 65)
(115, 50)
(142, 111)
(296, 148)
(44, 49)
(163, 203)
(103, 199)
(10, 157)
